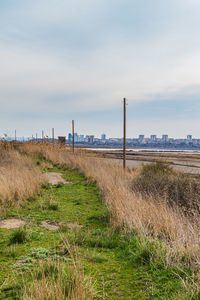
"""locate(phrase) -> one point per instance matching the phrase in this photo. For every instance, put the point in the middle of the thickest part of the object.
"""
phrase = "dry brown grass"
(19, 179)
(63, 284)
(133, 212)
(58, 280)
(178, 190)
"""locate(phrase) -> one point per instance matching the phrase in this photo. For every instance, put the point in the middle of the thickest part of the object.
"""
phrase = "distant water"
(181, 151)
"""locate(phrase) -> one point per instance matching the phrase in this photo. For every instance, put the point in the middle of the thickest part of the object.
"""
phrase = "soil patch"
(50, 225)
(11, 223)
(55, 178)
(74, 226)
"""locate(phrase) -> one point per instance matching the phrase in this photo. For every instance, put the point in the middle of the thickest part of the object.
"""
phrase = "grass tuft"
(19, 236)
(52, 205)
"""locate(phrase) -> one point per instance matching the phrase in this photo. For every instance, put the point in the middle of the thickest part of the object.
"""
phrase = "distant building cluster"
(140, 142)
(164, 142)
(153, 141)
(88, 139)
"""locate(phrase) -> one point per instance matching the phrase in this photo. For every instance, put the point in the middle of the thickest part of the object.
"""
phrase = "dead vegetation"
(59, 280)
(178, 190)
(52, 280)
(19, 179)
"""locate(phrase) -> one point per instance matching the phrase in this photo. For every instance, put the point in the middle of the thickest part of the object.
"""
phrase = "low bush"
(177, 189)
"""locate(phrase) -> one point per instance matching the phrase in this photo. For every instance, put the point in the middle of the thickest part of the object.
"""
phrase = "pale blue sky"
(73, 59)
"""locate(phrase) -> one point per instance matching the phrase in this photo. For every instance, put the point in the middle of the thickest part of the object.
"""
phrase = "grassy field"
(92, 256)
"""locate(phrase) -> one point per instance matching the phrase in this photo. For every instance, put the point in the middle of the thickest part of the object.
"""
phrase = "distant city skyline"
(103, 136)
(164, 142)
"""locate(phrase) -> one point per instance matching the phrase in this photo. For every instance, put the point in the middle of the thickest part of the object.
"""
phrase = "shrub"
(177, 189)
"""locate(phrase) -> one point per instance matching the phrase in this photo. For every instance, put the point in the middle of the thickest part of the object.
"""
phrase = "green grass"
(122, 265)
(19, 236)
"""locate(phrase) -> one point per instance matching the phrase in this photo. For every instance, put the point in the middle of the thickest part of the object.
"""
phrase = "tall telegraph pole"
(124, 139)
(73, 135)
(53, 135)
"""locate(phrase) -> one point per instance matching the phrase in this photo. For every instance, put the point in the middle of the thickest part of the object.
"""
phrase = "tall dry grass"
(178, 190)
(133, 212)
(19, 178)
(59, 280)
(52, 280)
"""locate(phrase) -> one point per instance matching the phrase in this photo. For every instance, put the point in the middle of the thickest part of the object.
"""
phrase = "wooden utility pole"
(124, 142)
(73, 136)
(53, 135)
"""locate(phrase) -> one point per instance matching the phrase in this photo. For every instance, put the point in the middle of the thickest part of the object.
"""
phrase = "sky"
(73, 59)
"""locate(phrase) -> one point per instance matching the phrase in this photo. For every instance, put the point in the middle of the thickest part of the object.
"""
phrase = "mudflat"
(187, 163)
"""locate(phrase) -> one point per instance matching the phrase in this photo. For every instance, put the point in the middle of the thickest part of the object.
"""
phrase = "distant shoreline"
(144, 150)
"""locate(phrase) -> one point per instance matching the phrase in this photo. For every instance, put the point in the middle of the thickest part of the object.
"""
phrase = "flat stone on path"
(55, 178)
(50, 225)
(11, 223)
